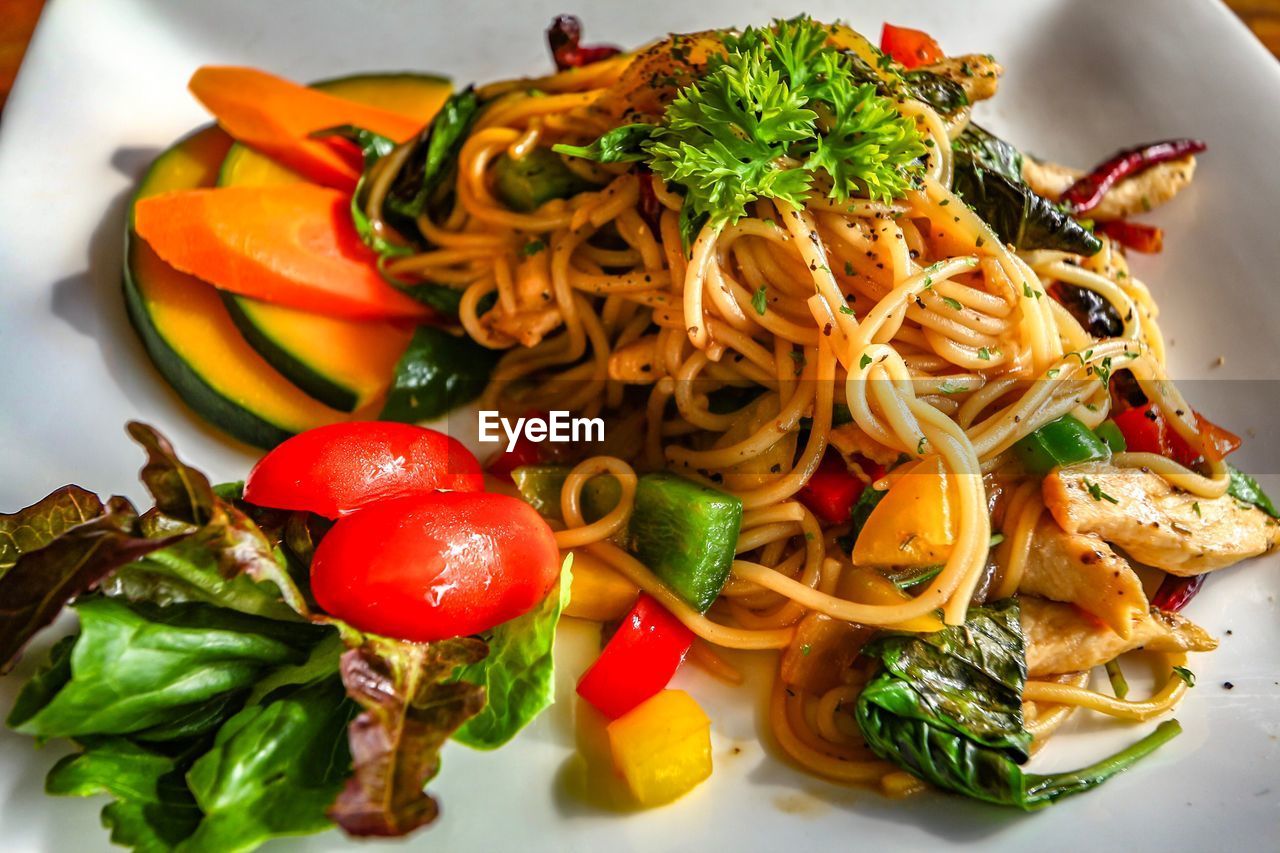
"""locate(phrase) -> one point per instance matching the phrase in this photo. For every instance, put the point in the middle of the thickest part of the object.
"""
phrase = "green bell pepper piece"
(1065, 441)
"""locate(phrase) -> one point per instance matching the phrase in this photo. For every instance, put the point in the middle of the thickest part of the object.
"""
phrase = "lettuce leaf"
(135, 666)
(410, 711)
(273, 770)
(519, 673)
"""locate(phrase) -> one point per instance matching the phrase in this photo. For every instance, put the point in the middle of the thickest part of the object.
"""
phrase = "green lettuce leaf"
(153, 810)
(410, 711)
(135, 666)
(273, 770)
(518, 674)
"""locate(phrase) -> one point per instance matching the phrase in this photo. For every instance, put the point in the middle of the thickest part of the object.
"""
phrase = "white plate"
(104, 88)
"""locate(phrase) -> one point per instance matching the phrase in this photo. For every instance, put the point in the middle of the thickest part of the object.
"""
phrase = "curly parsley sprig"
(780, 113)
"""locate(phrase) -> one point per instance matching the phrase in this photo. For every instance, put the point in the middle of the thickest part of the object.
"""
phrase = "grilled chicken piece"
(1062, 638)
(1154, 523)
(978, 73)
(1135, 194)
(657, 73)
(637, 363)
(1081, 569)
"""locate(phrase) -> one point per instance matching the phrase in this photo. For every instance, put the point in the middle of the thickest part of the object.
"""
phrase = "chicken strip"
(1081, 569)
(978, 73)
(1135, 194)
(1062, 638)
(1153, 522)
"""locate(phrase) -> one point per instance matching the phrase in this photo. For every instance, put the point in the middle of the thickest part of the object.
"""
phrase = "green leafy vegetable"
(153, 809)
(779, 112)
(373, 147)
(410, 710)
(938, 91)
(620, 145)
(136, 665)
(424, 178)
(947, 707)
(438, 372)
(518, 675)
(1017, 214)
(989, 151)
(273, 770)
(1244, 488)
(36, 526)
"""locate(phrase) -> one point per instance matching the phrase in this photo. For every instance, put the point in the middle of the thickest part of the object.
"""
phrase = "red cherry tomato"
(336, 469)
(429, 567)
(912, 48)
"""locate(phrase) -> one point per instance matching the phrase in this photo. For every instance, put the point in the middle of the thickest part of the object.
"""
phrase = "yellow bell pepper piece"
(598, 592)
(914, 524)
(662, 747)
(867, 586)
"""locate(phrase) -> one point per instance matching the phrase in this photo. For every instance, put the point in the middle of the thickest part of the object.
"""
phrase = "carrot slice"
(277, 116)
(292, 245)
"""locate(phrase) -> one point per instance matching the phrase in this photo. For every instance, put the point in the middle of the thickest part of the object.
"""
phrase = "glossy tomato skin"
(429, 567)
(336, 469)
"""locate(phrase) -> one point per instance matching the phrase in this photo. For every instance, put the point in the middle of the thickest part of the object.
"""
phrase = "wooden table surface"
(18, 19)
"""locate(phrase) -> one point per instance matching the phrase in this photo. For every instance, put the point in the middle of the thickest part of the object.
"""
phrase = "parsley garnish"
(781, 110)
(758, 301)
(1188, 677)
(1095, 492)
(848, 268)
(533, 247)
(953, 304)
(864, 361)
(984, 354)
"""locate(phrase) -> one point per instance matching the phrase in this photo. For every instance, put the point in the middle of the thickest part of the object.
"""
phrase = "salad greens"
(947, 707)
(209, 700)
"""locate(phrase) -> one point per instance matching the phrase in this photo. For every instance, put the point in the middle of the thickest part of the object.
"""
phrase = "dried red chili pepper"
(1087, 192)
(1175, 592)
(1147, 239)
(565, 36)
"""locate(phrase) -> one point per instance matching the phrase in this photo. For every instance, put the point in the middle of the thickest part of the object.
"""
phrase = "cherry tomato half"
(336, 469)
(429, 567)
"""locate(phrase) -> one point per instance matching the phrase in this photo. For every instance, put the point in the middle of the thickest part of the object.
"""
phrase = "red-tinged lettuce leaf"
(410, 711)
(36, 586)
(36, 526)
(185, 500)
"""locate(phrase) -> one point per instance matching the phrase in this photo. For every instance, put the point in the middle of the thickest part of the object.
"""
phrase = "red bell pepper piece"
(1175, 592)
(564, 37)
(1147, 239)
(832, 490)
(638, 660)
(911, 48)
(1087, 192)
(1146, 431)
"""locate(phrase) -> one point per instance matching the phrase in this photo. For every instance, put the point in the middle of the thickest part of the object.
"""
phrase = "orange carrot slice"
(291, 245)
(277, 116)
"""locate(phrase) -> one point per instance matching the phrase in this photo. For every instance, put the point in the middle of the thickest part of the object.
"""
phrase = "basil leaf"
(1017, 214)
(153, 809)
(990, 152)
(1245, 488)
(518, 674)
(437, 373)
(273, 770)
(947, 708)
(410, 710)
(938, 91)
(620, 145)
(135, 666)
(428, 169)
(373, 147)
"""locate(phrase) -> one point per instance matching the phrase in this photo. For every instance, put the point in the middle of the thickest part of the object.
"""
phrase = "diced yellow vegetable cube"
(914, 524)
(598, 592)
(662, 747)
